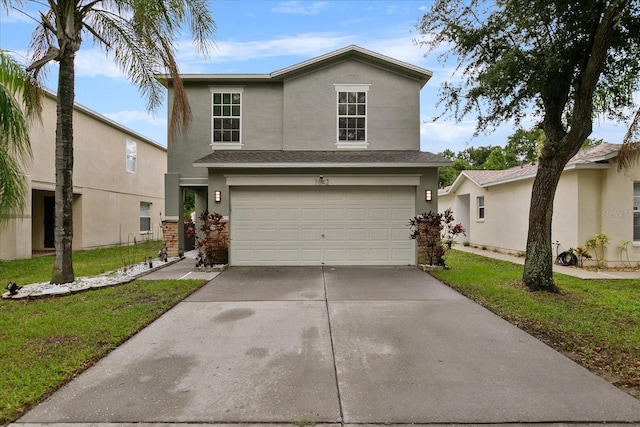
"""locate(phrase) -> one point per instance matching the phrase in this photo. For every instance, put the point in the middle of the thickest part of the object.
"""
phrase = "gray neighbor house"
(315, 164)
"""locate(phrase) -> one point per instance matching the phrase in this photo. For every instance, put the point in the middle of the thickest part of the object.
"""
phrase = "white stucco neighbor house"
(317, 163)
(592, 197)
(118, 186)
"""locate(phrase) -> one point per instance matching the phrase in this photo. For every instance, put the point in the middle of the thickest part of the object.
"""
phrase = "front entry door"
(49, 221)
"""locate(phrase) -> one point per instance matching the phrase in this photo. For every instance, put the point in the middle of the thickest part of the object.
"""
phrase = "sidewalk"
(569, 271)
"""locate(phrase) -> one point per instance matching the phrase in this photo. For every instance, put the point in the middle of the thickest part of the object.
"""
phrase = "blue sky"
(262, 36)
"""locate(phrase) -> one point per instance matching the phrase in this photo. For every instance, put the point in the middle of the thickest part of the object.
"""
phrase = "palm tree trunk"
(538, 265)
(63, 266)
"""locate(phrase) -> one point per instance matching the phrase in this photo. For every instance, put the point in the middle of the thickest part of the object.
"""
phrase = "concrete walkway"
(569, 271)
(338, 346)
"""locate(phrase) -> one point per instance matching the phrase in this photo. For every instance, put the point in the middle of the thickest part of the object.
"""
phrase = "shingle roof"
(289, 159)
(585, 157)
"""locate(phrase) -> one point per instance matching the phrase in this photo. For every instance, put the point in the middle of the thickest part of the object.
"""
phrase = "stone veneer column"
(171, 238)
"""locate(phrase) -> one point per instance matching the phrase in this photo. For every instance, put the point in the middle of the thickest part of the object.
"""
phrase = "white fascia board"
(314, 165)
(194, 182)
(328, 180)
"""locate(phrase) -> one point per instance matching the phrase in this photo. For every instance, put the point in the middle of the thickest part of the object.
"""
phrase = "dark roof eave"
(316, 165)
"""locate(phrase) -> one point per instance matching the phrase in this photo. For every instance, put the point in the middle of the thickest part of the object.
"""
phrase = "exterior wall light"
(217, 196)
(427, 195)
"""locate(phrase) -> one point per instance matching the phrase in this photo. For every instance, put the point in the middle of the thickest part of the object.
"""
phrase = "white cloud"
(127, 118)
(301, 8)
(94, 63)
(310, 45)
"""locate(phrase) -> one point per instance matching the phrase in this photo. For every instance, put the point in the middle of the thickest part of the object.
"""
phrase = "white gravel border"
(113, 278)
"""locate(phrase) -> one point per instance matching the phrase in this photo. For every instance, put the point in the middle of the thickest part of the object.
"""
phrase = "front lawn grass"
(595, 322)
(46, 342)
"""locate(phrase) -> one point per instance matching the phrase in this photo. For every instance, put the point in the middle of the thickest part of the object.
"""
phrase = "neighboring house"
(592, 197)
(118, 182)
(317, 163)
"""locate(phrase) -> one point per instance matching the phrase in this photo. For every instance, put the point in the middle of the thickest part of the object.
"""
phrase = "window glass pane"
(226, 98)
(145, 216)
(217, 98)
(342, 109)
(342, 135)
(362, 97)
(131, 156)
(235, 124)
(351, 110)
(235, 98)
(351, 123)
(360, 123)
(235, 111)
(360, 135)
(361, 110)
(226, 110)
(217, 110)
(217, 136)
(351, 97)
(342, 97)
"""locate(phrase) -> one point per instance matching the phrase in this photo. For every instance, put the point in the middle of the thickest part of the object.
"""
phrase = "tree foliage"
(560, 62)
(19, 103)
(142, 38)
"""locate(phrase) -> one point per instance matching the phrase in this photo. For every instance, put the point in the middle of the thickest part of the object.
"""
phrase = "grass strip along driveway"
(594, 322)
(45, 342)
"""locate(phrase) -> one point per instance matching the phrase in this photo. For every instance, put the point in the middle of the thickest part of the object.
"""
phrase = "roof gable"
(350, 52)
(355, 52)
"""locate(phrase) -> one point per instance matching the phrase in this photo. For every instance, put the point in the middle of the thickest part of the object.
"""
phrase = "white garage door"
(321, 225)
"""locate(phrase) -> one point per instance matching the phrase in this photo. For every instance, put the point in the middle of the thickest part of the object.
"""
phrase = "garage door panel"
(292, 214)
(357, 235)
(310, 214)
(334, 234)
(314, 226)
(379, 234)
(289, 235)
(312, 235)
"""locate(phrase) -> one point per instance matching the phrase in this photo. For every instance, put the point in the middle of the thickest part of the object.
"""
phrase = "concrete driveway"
(341, 345)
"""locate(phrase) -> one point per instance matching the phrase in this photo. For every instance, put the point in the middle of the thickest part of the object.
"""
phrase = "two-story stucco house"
(118, 186)
(317, 163)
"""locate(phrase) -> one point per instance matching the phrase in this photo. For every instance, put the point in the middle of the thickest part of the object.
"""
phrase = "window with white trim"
(636, 211)
(131, 156)
(480, 207)
(145, 217)
(226, 117)
(352, 115)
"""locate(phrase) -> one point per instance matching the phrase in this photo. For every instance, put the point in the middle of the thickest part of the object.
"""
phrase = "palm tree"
(141, 37)
(19, 102)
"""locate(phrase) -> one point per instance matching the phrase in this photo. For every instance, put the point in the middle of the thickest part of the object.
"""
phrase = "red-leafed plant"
(435, 233)
(212, 241)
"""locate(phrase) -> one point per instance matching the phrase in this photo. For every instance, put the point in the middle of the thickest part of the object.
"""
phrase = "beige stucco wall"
(616, 211)
(106, 197)
(587, 202)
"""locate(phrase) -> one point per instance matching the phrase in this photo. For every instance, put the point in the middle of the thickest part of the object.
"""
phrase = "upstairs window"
(636, 211)
(352, 116)
(132, 156)
(226, 122)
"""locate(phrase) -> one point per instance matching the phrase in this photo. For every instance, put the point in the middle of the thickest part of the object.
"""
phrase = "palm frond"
(629, 153)
(19, 102)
